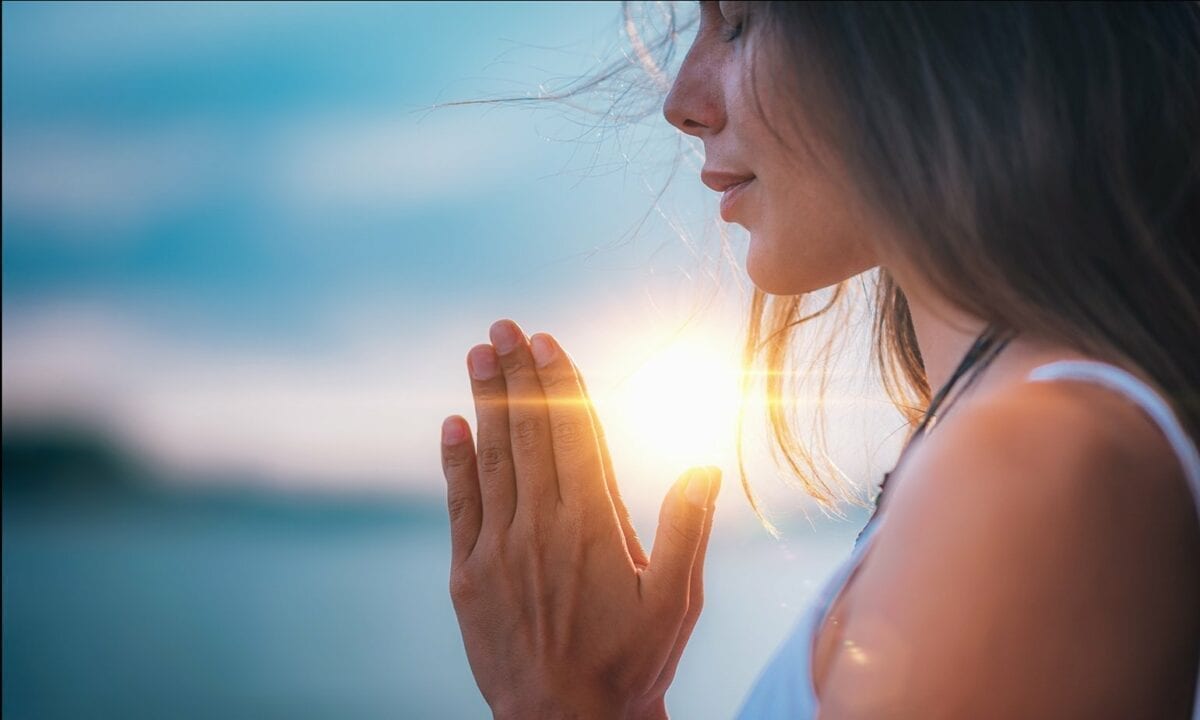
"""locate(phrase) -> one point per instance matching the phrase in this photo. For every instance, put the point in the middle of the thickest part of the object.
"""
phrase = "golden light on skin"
(878, 658)
(854, 653)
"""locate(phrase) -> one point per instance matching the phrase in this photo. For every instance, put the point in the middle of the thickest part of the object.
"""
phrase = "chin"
(770, 275)
(775, 276)
(771, 285)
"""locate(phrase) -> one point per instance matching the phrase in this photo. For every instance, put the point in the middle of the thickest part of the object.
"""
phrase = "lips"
(731, 184)
(722, 181)
(730, 198)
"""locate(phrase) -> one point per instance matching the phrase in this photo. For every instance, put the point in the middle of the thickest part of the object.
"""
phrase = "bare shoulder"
(1037, 559)
(1072, 443)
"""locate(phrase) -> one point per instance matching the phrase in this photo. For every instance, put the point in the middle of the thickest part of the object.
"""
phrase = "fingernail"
(505, 336)
(543, 350)
(482, 362)
(697, 488)
(454, 431)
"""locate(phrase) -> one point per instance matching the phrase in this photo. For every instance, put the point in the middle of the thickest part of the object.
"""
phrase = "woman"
(1026, 177)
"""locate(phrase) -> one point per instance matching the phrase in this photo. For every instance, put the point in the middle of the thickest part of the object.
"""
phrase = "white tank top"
(785, 689)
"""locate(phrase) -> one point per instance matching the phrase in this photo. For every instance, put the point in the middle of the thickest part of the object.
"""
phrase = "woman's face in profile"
(806, 228)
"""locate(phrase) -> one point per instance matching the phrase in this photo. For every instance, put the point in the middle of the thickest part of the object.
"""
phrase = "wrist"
(574, 707)
(655, 709)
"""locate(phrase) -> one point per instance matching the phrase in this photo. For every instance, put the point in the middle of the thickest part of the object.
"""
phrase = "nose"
(696, 105)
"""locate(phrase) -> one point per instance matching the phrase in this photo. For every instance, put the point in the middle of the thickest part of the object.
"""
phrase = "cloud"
(356, 417)
(92, 183)
(394, 161)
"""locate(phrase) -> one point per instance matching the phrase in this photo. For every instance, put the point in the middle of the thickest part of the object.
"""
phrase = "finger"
(577, 461)
(695, 593)
(680, 527)
(496, 481)
(528, 421)
(462, 488)
(636, 552)
(696, 588)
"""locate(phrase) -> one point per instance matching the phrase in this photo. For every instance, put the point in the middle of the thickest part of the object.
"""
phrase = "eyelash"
(733, 32)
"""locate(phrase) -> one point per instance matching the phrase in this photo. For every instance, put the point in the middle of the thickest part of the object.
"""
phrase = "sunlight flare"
(680, 405)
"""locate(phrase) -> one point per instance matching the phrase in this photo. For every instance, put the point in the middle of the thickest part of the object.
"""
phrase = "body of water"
(234, 607)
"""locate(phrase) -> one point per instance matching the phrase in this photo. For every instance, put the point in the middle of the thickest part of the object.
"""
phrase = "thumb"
(680, 533)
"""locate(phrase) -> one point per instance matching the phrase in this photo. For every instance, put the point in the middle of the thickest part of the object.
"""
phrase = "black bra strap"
(986, 347)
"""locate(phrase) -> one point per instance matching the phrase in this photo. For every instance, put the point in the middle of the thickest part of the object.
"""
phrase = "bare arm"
(1037, 561)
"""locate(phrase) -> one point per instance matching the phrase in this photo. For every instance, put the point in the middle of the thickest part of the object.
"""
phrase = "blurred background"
(245, 250)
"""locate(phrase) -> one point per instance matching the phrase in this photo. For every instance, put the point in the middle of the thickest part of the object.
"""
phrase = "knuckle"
(527, 432)
(463, 586)
(456, 458)
(460, 506)
(558, 383)
(570, 432)
(490, 395)
(683, 530)
(492, 459)
(516, 366)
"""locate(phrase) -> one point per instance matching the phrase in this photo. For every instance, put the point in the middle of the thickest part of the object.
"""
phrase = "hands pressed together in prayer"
(562, 612)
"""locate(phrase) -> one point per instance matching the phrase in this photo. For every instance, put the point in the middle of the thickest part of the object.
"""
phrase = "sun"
(679, 407)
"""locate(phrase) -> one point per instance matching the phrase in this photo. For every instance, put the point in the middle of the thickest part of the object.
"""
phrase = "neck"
(944, 333)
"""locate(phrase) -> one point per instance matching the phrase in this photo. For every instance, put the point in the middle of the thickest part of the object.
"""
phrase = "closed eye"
(733, 15)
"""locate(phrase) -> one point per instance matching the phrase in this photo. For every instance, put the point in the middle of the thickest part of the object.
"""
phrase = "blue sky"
(240, 235)
(254, 163)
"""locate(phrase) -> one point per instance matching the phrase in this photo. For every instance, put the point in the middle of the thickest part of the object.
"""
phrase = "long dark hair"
(1040, 162)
